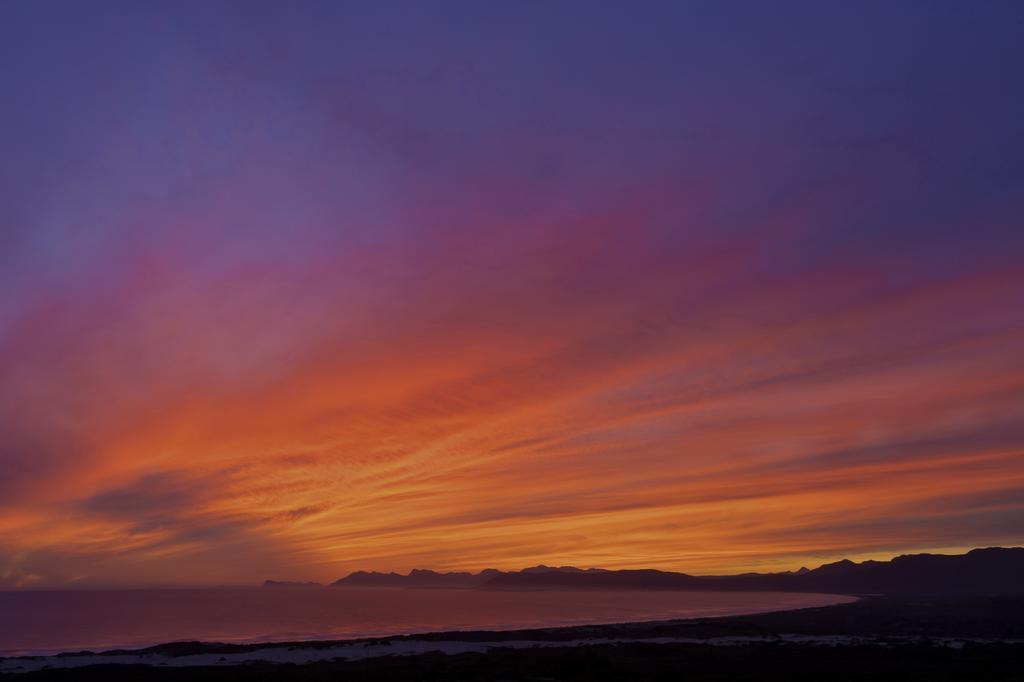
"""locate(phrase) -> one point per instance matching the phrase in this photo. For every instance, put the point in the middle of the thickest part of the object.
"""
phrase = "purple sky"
(297, 288)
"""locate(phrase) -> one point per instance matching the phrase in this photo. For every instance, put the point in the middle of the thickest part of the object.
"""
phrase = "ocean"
(38, 622)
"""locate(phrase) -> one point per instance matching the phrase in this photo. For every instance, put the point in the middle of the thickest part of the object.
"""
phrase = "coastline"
(134, 620)
(954, 624)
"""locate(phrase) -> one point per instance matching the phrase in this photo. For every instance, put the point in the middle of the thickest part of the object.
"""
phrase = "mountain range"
(991, 571)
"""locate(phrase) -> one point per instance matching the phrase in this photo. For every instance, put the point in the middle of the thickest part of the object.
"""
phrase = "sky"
(295, 289)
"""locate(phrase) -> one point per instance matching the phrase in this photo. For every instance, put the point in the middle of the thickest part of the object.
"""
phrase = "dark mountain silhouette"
(993, 571)
(422, 578)
(416, 578)
(541, 568)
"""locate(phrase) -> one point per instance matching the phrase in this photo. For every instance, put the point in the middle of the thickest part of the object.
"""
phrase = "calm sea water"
(48, 622)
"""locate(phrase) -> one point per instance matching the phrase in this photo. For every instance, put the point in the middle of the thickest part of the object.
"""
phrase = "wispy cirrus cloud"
(282, 301)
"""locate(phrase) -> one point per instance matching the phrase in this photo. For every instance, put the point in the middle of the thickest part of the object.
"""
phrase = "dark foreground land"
(873, 639)
(619, 662)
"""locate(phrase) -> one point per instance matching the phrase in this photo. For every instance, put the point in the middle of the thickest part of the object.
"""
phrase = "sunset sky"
(294, 289)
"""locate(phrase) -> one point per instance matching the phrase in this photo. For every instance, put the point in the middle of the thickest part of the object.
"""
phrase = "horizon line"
(86, 586)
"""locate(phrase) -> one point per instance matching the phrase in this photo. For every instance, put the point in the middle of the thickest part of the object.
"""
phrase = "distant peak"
(542, 568)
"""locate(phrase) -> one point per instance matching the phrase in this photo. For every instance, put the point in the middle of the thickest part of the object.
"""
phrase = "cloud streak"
(287, 304)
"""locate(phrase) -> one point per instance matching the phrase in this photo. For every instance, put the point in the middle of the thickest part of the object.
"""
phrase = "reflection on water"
(40, 622)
